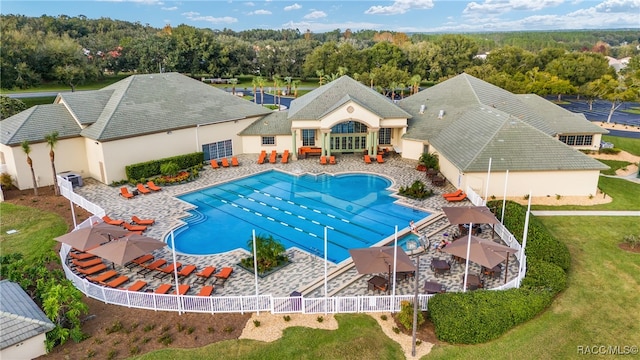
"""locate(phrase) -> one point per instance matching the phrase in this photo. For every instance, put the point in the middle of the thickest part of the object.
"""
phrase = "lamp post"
(412, 245)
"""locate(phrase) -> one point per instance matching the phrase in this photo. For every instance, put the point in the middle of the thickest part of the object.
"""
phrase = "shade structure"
(484, 252)
(87, 238)
(376, 260)
(125, 249)
(470, 214)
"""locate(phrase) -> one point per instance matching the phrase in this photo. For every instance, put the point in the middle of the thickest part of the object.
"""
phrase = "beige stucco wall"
(412, 149)
(25, 350)
(253, 144)
(595, 145)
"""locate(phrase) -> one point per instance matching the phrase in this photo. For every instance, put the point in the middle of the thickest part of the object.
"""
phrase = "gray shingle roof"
(20, 317)
(86, 105)
(328, 97)
(36, 122)
(143, 104)
(273, 124)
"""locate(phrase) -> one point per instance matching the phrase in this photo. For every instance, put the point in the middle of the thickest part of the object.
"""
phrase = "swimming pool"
(356, 209)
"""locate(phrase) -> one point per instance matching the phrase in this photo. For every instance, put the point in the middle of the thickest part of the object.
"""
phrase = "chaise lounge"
(139, 221)
(224, 162)
(142, 189)
(234, 161)
(111, 221)
(134, 227)
(205, 274)
(223, 275)
(214, 164)
(124, 192)
(151, 185)
(137, 286)
(367, 159)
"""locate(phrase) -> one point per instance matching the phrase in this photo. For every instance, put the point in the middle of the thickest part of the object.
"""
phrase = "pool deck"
(306, 272)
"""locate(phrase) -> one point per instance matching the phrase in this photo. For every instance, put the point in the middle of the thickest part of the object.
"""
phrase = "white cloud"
(195, 16)
(250, 3)
(504, 6)
(260, 12)
(316, 14)
(173, 8)
(295, 6)
(400, 7)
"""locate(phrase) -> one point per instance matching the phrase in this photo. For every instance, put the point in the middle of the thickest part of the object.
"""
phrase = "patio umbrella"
(125, 249)
(87, 238)
(484, 252)
(376, 260)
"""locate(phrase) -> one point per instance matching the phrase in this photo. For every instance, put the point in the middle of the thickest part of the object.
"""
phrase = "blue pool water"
(356, 209)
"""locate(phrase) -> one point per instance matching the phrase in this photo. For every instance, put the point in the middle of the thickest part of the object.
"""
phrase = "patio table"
(432, 287)
(377, 283)
(440, 266)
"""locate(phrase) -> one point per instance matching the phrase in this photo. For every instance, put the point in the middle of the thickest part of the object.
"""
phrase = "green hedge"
(479, 316)
(152, 168)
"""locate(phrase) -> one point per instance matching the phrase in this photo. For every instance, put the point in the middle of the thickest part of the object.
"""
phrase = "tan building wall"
(25, 350)
(411, 149)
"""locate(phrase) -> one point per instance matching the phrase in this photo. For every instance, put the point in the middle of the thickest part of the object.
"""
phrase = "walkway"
(306, 272)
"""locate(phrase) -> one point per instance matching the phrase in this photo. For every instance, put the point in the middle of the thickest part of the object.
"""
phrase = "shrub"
(228, 329)
(134, 350)
(417, 190)
(287, 318)
(544, 276)
(91, 353)
(112, 354)
(6, 181)
(181, 327)
(430, 161)
(149, 327)
(190, 329)
(611, 151)
(169, 169)
(211, 330)
(320, 319)
(632, 240)
(405, 316)
(396, 330)
(166, 339)
(383, 317)
(256, 323)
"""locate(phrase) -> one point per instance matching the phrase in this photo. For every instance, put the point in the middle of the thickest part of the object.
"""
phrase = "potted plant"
(428, 161)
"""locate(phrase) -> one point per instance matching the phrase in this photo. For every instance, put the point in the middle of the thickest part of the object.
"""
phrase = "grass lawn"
(53, 86)
(627, 144)
(614, 165)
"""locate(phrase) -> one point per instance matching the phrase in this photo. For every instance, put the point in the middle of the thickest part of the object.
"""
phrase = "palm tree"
(27, 150)
(288, 80)
(52, 140)
(233, 82)
(320, 74)
(276, 83)
(295, 85)
(415, 84)
(260, 82)
(254, 83)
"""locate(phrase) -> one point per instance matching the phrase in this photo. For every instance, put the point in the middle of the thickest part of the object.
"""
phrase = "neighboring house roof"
(21, 318)
(36, 122)
(273, 124)
(321, 101)
(144, 104)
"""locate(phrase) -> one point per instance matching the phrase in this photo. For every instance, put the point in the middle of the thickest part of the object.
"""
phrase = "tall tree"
(27, 150)
(613, 90)
(10, 106)
(52, 140)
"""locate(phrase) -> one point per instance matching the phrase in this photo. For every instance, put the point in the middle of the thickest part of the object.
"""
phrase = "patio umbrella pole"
(325, 270)
(255, 266)
(175, 271)
(466, 266)
(395, 260)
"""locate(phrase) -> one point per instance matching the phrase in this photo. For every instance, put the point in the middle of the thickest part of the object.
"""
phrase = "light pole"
(412, 245)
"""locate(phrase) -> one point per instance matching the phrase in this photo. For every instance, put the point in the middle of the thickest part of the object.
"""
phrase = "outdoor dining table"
(377, 283)
(493, 272)
(431, 172)
(432, 287)
(403, 275)
(473, 281)
(440, 266)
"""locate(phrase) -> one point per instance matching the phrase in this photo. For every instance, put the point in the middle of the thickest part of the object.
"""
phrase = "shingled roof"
(36, 122)
(321, 101)
(20, 317)
(273, 124)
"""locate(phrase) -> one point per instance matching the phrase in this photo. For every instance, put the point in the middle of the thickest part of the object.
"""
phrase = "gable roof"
(86, 105)
(20, 317)
(276, 123)
(36, 122)
(330, 96)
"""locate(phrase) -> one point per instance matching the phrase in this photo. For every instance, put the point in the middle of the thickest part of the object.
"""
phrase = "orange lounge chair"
(205, 274)
(323, 160)
(124, 192)
(285, 157)
(367, 159)
(379, 159)
(117, 281)
(183, 289)
(332, 160)
(92, 270)
(272, 158)
(223, 275)
(163, 289)
(456, 198)
(214, 164)
(224, 162)
(81, 256)
(139, 221)
(142, 189)
(453, 194)
(139, 261)
(134, 227)
(207, 290)
(154, 265)
(103, 277)
(166, 270)
(111, 221)
(187, 270)
(137, 286)
(86, 263)
(263, 155)
(151, 185)
(234, 161)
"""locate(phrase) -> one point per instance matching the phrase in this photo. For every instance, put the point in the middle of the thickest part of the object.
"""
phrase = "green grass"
(36, 230)
(32, 101)
(614, 165)
(54, 86)
(358, 337)
(632, 110)
(627, 144)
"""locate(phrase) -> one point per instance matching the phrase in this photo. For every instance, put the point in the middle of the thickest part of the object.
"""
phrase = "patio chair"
(86, 263)
(223, 275)
(139, 221)
(367, 159)
(124, 192)
(151, 185)
(117, 281)
(111, 221)
(131, 227)
(142, 189)
(332, 160)
(139, 261)
(163, 289)
(81, 255)
(103, 277)
(224, 162)
(263, 155)
(234, 161)
(187, 270)
(205, 274)
(323, 160)
(207, 290)
(456, 198)
(272, 158)
(214, 164)
(183, 289)
(92, 270)
(379, 159)
(154, 265)
(452, 194)
(137, 286)
(167, 270)
(285, 157)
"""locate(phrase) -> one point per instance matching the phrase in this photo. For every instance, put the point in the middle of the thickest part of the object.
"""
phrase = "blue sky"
(321, 16)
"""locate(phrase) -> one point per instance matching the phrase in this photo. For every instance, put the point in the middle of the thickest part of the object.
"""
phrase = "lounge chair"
(111, 221)
(224, 162)
(187, 270)
(453, 194)
(234, 161)
(323, 160)
(139, 261)
(223, 275)
(139, 221)
(205, 274)
(154, 265)
(207, 290)
(81, 255)
(151, 185)
(183, 289)
(103, 277)
(332, 160)
(142, 189)
(285, 157)
(163, 289)
(92, 270)
(117, 281)
(456, 198)
(137, 286)
(167, 270)
(263, 155)
(379, 159)
(134, 227)
(273, 157)
(86, 263)
(214, 164)
(124, 192)
(367, 159)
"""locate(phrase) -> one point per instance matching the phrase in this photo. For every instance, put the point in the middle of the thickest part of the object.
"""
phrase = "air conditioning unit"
(73, 178)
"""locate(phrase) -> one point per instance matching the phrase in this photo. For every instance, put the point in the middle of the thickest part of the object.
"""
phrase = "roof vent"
(422, 109)
(441, 114)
